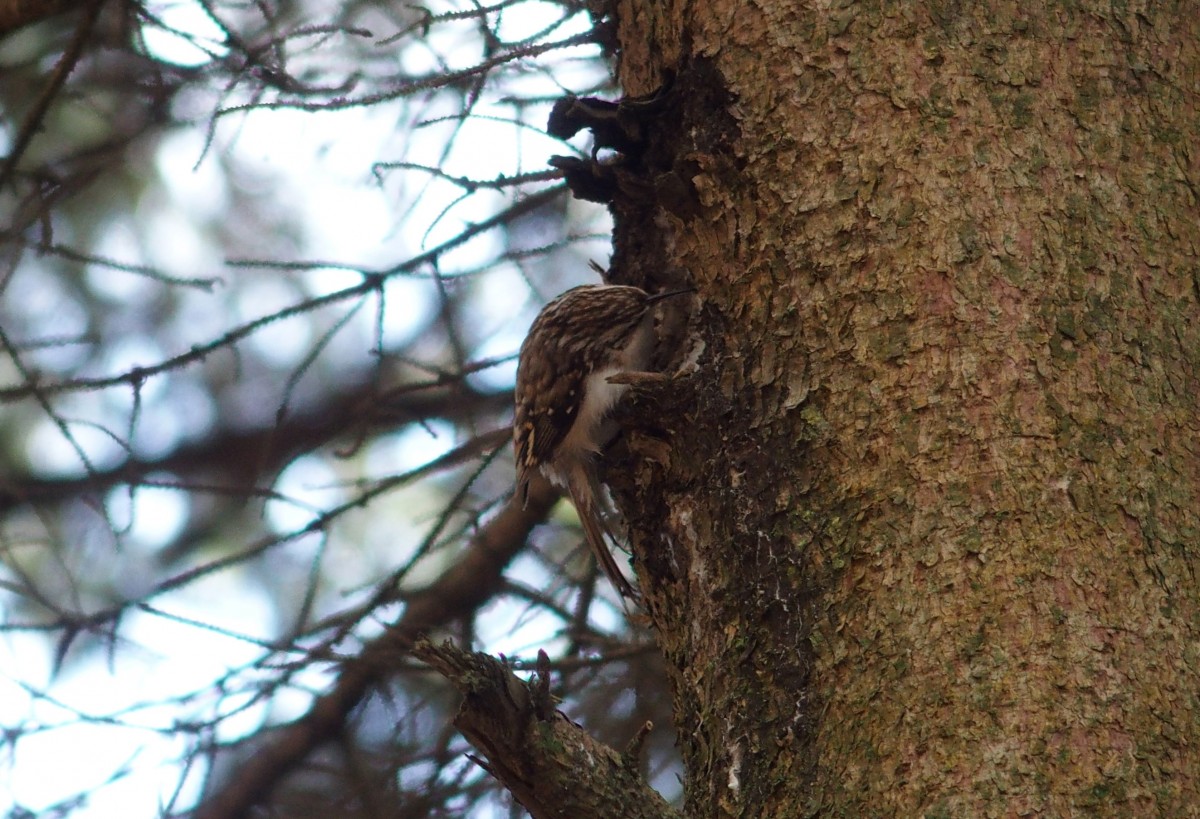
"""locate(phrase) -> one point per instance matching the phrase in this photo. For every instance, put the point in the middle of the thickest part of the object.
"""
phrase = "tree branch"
(457, 593)
(66, 64)
(15, 14)
(550, 765)
(237, 458)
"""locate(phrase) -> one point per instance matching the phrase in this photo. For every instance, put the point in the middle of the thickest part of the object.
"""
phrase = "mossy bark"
(926, 538)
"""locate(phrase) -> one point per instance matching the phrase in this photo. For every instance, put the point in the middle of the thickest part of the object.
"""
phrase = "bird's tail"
(584, 494)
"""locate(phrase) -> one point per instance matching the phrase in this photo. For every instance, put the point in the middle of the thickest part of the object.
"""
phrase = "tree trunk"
(925, 540)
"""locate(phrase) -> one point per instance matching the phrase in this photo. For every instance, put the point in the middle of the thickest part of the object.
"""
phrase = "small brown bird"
(564, 396)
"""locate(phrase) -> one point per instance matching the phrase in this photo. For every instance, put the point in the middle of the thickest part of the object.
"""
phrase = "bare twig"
(66, 64)
(456, 594)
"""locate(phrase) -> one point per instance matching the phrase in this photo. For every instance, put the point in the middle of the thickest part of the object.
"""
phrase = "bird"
(581, 353)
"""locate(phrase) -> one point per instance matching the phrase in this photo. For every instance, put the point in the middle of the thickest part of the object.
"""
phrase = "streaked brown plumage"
(563, 395)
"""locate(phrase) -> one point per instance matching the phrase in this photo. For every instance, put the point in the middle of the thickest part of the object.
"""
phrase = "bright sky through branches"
(105, 725)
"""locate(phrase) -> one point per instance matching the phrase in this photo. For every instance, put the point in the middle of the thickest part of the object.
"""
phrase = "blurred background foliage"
(264, 270)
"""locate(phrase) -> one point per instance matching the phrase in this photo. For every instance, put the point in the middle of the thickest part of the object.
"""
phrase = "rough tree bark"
(929, 543)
